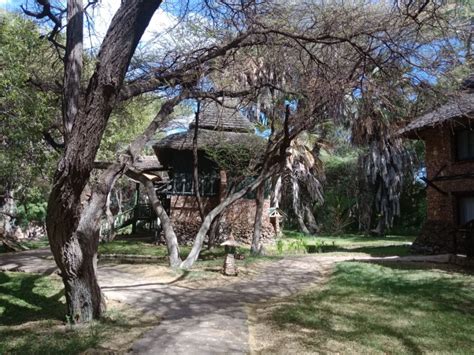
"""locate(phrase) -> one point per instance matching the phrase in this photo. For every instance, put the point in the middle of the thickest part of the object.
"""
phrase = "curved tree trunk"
(7, 211)
(206, 224)
(297, 204)
(212, 235)
(110, 220)
(73, 229)
(170, 235)
(311, 221)
(255, 249)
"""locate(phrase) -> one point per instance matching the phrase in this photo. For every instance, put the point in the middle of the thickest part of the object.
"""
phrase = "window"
(465, 145)
(466, 209)
(183, 184)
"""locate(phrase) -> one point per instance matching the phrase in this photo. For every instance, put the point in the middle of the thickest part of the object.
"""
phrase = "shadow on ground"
(389, 307)
(24, 298)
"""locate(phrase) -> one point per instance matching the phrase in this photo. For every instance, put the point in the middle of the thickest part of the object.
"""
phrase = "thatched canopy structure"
(458, 110)
(218, 126)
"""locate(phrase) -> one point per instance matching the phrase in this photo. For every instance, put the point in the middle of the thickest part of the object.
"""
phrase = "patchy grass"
(207, 257)
(368, 308)
(29, 244)
(132, 248)
(32, 320)
(36, 244)
(295, 242)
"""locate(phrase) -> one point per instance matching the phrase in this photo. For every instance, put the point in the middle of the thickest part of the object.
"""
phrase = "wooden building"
(448, 134)
(218, 127)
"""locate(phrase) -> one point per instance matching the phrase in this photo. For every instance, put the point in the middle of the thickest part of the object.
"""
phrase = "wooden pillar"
(135, 207)
(222, 184)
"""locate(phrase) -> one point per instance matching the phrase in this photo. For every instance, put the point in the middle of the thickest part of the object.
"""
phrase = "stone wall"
(238, 219)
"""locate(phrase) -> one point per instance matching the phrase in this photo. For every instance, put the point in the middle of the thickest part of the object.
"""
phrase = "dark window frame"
(459, 196)
(456, 145)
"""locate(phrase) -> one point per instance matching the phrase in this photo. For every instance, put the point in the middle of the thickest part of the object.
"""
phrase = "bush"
(336, 214)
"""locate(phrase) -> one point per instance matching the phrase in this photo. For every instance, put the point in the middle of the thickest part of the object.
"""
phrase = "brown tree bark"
(196, 163)
(170, 235)
(206, 224)
(73, 229)
(255, 249)
(311, 220)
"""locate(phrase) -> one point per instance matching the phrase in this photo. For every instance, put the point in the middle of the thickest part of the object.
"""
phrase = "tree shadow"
(377, 251)
(22, 299)
(379, 302)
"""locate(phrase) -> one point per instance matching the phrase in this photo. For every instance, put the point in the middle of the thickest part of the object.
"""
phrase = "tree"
(27, 118)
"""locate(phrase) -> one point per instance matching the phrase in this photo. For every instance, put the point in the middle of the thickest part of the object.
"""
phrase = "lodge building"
(448, 134)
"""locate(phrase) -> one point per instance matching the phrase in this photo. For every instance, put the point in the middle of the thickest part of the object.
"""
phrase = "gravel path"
(201, 321)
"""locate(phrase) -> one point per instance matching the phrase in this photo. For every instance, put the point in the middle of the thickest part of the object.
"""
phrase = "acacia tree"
(73, 217)
(73, 221)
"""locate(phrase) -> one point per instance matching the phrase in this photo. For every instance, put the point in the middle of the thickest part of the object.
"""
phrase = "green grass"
(295, 242)
(368, 308)
(37, 244)
(30, 244)
(32, 318)
(353, 239)
(207, 257)
(30, 304)
(291, 243)
(132, 248)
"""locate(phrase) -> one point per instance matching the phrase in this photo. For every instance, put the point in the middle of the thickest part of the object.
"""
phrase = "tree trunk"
(255, 249)
(380, 229)
(311, 221)
(170, 236)
(196, 163)
(276, 191)
(7, 211)
(206, 224)
(297, 204)
(110, 220)
(302, 226)
(73, 229)
(212, 235)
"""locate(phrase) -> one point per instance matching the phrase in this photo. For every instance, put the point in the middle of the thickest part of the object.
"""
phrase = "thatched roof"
(147, 163)
(217, 125)
(219, 118)
(206, 138)
(460, 106)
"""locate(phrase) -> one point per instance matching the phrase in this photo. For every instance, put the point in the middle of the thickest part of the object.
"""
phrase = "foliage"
(346, 194)
(391, 308)
(336, 214)
(25, 111)
(32, 207)
(128, 120)
(237, 158)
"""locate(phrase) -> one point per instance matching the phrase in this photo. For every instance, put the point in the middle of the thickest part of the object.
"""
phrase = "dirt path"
(213, 320)
(201, 321)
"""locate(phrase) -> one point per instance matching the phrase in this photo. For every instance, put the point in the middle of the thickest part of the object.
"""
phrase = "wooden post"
(135, 208)
(222, 184)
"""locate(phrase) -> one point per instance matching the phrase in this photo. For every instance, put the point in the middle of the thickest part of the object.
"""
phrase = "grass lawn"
(368, 308)
(32, 320)
(291, 243)
(295, 242)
